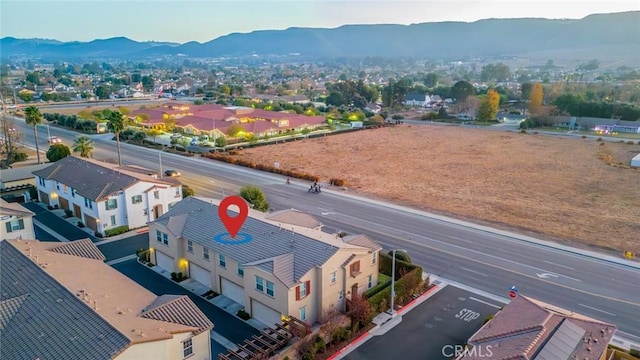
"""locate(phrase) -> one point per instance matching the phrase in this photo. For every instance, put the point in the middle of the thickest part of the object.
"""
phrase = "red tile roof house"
(207, 119)
(528, 329)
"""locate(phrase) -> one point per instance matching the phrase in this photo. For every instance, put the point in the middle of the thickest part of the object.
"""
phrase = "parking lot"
(432, 329)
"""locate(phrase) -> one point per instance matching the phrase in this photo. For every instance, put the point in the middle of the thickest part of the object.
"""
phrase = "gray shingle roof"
(268, 241)
(48, 322)
(92, 179)
(295, 217)
(83, 248)
(178, 309)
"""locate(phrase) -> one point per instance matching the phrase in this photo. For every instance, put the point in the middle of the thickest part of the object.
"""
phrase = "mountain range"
(616, 34)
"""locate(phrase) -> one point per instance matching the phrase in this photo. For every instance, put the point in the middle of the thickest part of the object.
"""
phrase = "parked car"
(54, 140)
(172, 173)
(176, 136)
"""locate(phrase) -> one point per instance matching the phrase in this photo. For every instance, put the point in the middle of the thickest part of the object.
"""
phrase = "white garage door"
(265, 314)
(200, 274)
(232, 291)
(164, 261)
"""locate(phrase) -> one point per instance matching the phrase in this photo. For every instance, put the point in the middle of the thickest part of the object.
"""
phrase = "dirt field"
(556, 188)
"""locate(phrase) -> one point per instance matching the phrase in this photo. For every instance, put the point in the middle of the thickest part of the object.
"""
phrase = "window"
(58, 186)
(178, 192)
(73, 192)
(111, 204)
(41, 181)
(222, 260)
(156, 194)
(374, 257)
(303, 313)
(354, 269)
(205, 253)
(240, 270)
(332, 277)
(303, 290)
(136, 199)
(162, 237)
(271, 289)
(259, 284)
(88, 203)
(369, 281)
(113, 220)
(15, 225)
(187, 348)
(190, 246)
(340, 295)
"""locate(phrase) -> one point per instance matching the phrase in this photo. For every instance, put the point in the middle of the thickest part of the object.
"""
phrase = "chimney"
(95, 304)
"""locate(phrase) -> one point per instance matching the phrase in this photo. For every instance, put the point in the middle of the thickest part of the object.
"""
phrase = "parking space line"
(484, 302)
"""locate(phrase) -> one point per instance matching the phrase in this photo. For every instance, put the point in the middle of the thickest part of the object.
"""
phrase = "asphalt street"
(225, 324)
(43, 235)
(431, 330)
(124, 247)
(485, 260)
(52, 221)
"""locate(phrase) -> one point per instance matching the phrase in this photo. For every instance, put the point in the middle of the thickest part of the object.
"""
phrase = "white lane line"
(563, 266)
(473, 271)
(484, 302)
(602, 311)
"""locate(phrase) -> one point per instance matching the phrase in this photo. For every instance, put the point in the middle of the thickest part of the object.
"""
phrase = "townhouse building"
(105, 196)
(274, 268)
(17, 221)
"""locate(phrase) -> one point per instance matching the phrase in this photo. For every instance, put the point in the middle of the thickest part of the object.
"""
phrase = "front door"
(76, 211)
(44, 197)
(64, 203)
(157, 211)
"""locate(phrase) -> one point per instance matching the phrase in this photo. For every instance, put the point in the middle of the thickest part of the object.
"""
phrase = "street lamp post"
(393, 278)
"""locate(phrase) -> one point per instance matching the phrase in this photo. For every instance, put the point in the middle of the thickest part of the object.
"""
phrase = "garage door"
(232, 291)
(164, 261)
(265, 314)
(200, 274)
(91, 222)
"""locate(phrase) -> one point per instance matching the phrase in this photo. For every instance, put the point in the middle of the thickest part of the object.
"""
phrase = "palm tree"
(33, 117)
(83, 145)
(116, 124)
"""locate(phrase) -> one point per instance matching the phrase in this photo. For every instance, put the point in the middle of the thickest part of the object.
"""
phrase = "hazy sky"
(203, 20)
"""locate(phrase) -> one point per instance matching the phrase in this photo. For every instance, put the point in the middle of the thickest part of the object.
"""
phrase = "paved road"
(431, 330)
(485, 260)
(56, 223)
(224, 323)
(43, 235)
(124, 247)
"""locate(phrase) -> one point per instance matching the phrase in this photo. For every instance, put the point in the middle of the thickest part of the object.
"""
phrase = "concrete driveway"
(432, 329)
(225, 324)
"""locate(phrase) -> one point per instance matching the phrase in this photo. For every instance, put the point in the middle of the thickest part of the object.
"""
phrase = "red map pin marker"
(233, 224)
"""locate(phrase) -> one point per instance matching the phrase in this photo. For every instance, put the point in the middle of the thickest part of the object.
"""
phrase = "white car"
(54, 140)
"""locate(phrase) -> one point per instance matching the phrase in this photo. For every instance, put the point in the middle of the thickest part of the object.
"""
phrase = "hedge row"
(404, 287)
(262, 167)
(402, 267)
(116, 230)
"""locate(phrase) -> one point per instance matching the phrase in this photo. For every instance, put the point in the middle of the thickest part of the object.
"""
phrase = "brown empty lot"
(558, 187)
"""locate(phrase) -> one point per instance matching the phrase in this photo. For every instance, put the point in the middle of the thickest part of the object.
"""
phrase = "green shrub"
(243, 315)
(255, 196)
(318, 345)
(634, 352)
(401, 255)
(376, 289)
(80, 224)
(340, 334)
(116, 230)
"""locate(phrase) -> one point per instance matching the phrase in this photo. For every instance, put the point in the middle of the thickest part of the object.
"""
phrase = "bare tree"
(10, 137)
(332, 319)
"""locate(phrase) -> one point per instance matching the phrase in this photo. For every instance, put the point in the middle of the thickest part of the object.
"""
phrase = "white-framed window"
(340, 295)
(190, 246)
(136, 199)
(205, 253)
(271, 290)
(303, 313)
(156, 194)
(73, 192)
(111, 204)
(332, 277)
(240, 270)
(113, 220)
(303, 290)
(259, 284)
(41, 181)
(88, 203)
(178, 192)
(222, 261)
(187, 348)
(162, 237)
(369, 281)
(15, 225)
(374, 257)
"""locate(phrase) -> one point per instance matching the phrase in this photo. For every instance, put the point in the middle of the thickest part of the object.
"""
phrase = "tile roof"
(82, 248)
(93, 179)
(42, 319)
(14, 209)
(90, 309)
(308, 247)
(20, 173)
(362, 240)
(178, 309)
(295, 217)
(530, 329)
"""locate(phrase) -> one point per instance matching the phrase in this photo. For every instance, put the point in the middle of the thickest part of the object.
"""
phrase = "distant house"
(530, 329)
(373, 107)
(19, 176)
(603, 125)
(414, 99)
(16, 221)
(64, 302)
(106, 195)
(464, 117)
(281, 266)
